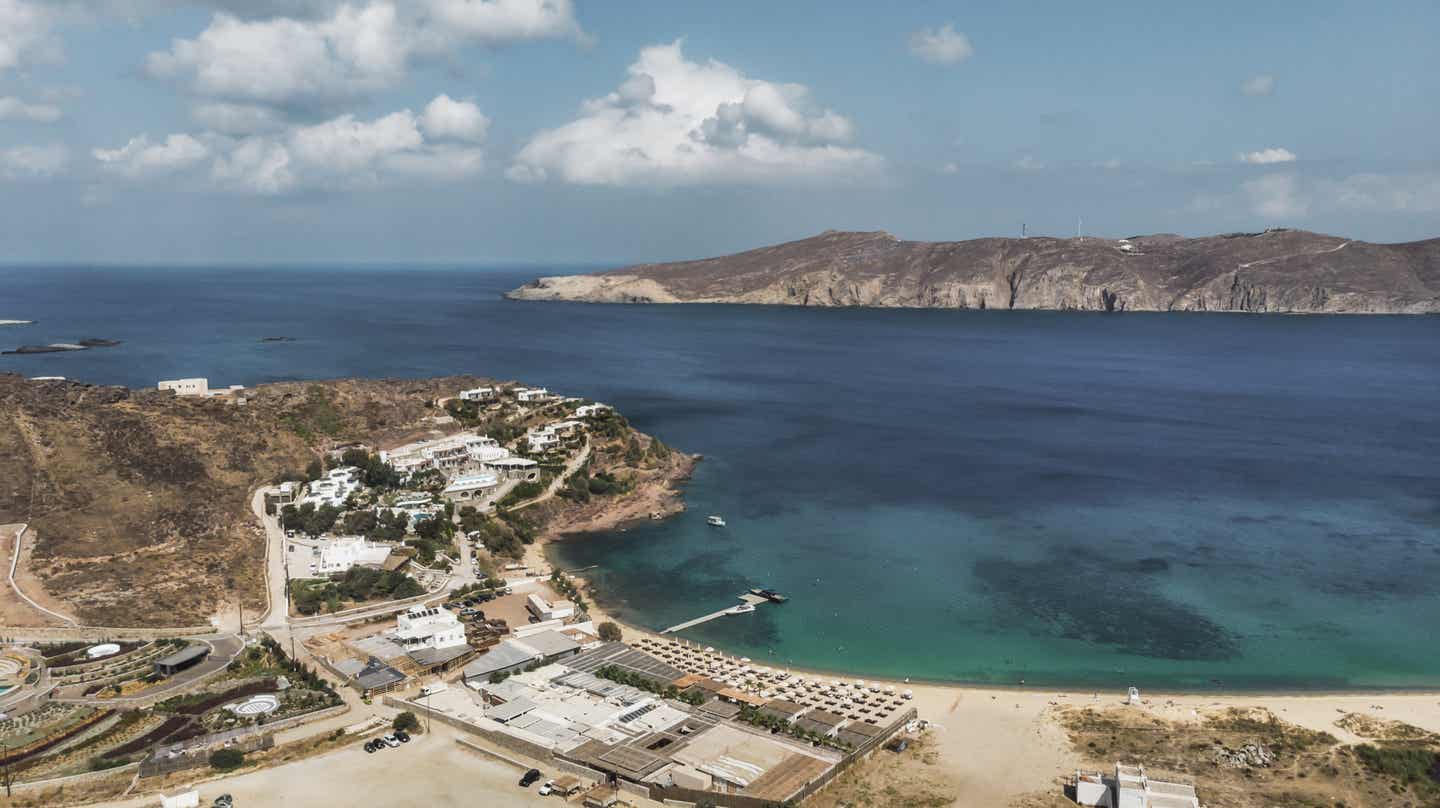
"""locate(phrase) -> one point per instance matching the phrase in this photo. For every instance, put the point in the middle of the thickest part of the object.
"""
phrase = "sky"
(614, 131)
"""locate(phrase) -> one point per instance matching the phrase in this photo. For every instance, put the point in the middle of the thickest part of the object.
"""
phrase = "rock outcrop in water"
(1288, 271)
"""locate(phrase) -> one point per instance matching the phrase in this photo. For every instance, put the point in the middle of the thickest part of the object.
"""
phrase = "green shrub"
(227, 759)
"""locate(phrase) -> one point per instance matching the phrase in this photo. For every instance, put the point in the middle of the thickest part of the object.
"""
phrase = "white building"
(541, 439)
(334, 488)
(472, 486)
(198, 388)
(478, 394)
(431, 627)
(591, 410)
(1132, 788)
(515, 468)
(532, 395)
(187, 387)
(339, 555)
(546, 610)
(566, 428)
(444, 454)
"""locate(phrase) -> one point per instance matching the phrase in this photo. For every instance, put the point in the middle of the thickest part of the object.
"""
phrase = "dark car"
(402, 736)
(529, 778)
(371, 746)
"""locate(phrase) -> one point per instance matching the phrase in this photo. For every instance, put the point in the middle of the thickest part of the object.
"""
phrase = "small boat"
(742, 608)
(714, 521)
(769, 594)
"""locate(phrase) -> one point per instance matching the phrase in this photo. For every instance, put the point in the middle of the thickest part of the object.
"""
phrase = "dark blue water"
(1162, 500)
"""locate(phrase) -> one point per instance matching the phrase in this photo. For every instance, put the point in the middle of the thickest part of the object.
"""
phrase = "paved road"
(15, 563)
(223, 649)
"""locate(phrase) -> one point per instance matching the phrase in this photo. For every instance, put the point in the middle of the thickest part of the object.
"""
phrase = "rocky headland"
(1275, 271)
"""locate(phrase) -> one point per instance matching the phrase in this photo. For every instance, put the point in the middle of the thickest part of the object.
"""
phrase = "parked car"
(402, 736)
(370, 747)
(224, 801)
(547, 789)
(390, 741)
(529, 778)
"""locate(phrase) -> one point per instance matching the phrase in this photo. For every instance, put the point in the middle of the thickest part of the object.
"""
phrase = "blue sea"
(1069, 499)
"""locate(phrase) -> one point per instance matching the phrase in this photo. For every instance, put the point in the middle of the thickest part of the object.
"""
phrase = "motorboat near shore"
(769, 594)
(714, 521)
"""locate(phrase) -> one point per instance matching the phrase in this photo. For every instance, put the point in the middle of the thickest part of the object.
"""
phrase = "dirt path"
(25, 602)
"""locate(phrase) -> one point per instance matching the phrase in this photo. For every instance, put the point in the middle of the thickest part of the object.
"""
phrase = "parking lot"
(431, 770)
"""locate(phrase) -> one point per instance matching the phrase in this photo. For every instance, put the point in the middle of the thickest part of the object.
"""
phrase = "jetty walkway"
(753, 600)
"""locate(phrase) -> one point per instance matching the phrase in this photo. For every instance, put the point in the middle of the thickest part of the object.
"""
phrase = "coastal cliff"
(1277, 271)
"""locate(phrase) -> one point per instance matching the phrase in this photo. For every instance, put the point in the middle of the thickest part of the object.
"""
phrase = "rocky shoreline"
(63, 347)
(1272, 272)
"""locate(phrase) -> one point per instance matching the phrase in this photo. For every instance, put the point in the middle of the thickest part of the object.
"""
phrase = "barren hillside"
(1289, 271)
(139, 500)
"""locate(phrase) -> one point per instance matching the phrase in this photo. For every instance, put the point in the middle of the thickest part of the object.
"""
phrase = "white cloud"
(1028, 163)
(25, 33)
(676, 122)
(950, 168)
(448, 119)
(356, 49)
(1266, 157)
(139, 158)
(343, 153)
(1261, 84)
(1276, 196)
(941, 46)
(1389, 193)
(14, 109)
(27, 162)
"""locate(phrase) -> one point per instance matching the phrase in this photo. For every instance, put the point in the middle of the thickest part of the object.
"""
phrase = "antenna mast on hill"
(1022, 231)
(1078, 232)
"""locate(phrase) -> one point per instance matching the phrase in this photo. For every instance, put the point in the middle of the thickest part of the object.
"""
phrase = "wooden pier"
(753, 600)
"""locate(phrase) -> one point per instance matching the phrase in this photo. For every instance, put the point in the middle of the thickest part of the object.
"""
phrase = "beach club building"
(472, 486)
(515, 468)
(428, 627)
(444, 454)
(547, 610)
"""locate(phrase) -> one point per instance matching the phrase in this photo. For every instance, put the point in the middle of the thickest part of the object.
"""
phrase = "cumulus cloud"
(941, 46)
(14, 109)
(343, 153)
(33, 162)
(1276, 196)
(1261, 84)
(675, 122)
(448, 119)
(355, 49)
(1268, 157)
(140, 158)
(25, 33)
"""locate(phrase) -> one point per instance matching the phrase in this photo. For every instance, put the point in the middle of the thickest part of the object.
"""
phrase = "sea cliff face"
(1286, 271)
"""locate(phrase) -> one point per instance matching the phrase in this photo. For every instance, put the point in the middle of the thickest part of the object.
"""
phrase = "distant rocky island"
(60, 347)
(1275, 271)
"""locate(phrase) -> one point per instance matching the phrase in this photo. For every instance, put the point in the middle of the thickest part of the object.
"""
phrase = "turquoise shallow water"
(1072, 499)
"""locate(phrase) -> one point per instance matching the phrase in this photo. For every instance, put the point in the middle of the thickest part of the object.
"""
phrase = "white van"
(430, 690)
